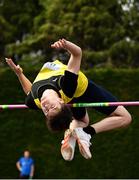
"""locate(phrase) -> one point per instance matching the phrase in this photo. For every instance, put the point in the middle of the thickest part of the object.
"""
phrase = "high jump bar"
(94, 104)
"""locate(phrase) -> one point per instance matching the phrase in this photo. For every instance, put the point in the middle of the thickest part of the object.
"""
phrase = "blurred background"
(108, 33)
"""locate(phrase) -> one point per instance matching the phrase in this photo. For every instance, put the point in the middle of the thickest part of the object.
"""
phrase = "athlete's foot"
(68, 145)
(83, 140)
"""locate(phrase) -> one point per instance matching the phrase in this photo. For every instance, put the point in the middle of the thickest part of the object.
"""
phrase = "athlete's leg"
(118, 119)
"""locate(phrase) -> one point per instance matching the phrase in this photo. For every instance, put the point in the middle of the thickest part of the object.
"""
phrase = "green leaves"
(97, 26)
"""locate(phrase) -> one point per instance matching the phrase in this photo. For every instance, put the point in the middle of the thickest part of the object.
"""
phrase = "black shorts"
(94, 93)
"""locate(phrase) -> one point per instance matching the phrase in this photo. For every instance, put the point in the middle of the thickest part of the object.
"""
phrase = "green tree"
(97, 26)
(16, 20)
(126, 52)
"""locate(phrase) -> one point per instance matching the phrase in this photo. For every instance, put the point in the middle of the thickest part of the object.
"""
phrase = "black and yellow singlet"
(54, 75)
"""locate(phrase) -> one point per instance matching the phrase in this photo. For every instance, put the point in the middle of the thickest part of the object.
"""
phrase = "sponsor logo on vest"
(52, 66)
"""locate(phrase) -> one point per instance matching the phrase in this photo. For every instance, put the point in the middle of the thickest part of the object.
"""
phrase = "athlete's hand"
(69, 46)
(61, 43)
(16, 68)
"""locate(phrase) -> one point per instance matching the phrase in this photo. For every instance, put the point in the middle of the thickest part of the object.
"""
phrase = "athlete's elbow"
(78, 52)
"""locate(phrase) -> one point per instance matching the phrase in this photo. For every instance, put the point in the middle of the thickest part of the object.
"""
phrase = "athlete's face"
(51, 105)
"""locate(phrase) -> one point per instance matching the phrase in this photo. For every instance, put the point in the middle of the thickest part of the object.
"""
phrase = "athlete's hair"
(60, 121)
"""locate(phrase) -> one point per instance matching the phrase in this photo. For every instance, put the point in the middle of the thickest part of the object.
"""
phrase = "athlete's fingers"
(10, 63)
(56, 45)
(9, 60)
(52, 45)
(63, 41)
(59, 44)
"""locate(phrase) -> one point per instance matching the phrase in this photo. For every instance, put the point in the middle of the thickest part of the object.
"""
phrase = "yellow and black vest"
(50, 75)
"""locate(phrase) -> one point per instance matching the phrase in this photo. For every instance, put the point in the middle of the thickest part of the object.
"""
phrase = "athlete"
(58, 84)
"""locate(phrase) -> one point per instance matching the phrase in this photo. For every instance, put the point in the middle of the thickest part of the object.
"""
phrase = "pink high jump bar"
(95, 104)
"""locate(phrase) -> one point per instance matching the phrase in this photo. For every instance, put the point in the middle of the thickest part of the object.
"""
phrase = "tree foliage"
(98, 26)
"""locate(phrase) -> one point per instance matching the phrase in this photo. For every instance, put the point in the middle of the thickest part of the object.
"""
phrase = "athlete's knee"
(127, 119)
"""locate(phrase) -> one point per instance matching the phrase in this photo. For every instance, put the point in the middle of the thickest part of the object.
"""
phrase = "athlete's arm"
(26, 84)
(75, 51)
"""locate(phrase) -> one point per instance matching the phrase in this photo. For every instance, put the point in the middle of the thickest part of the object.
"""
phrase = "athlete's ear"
(61, 101)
